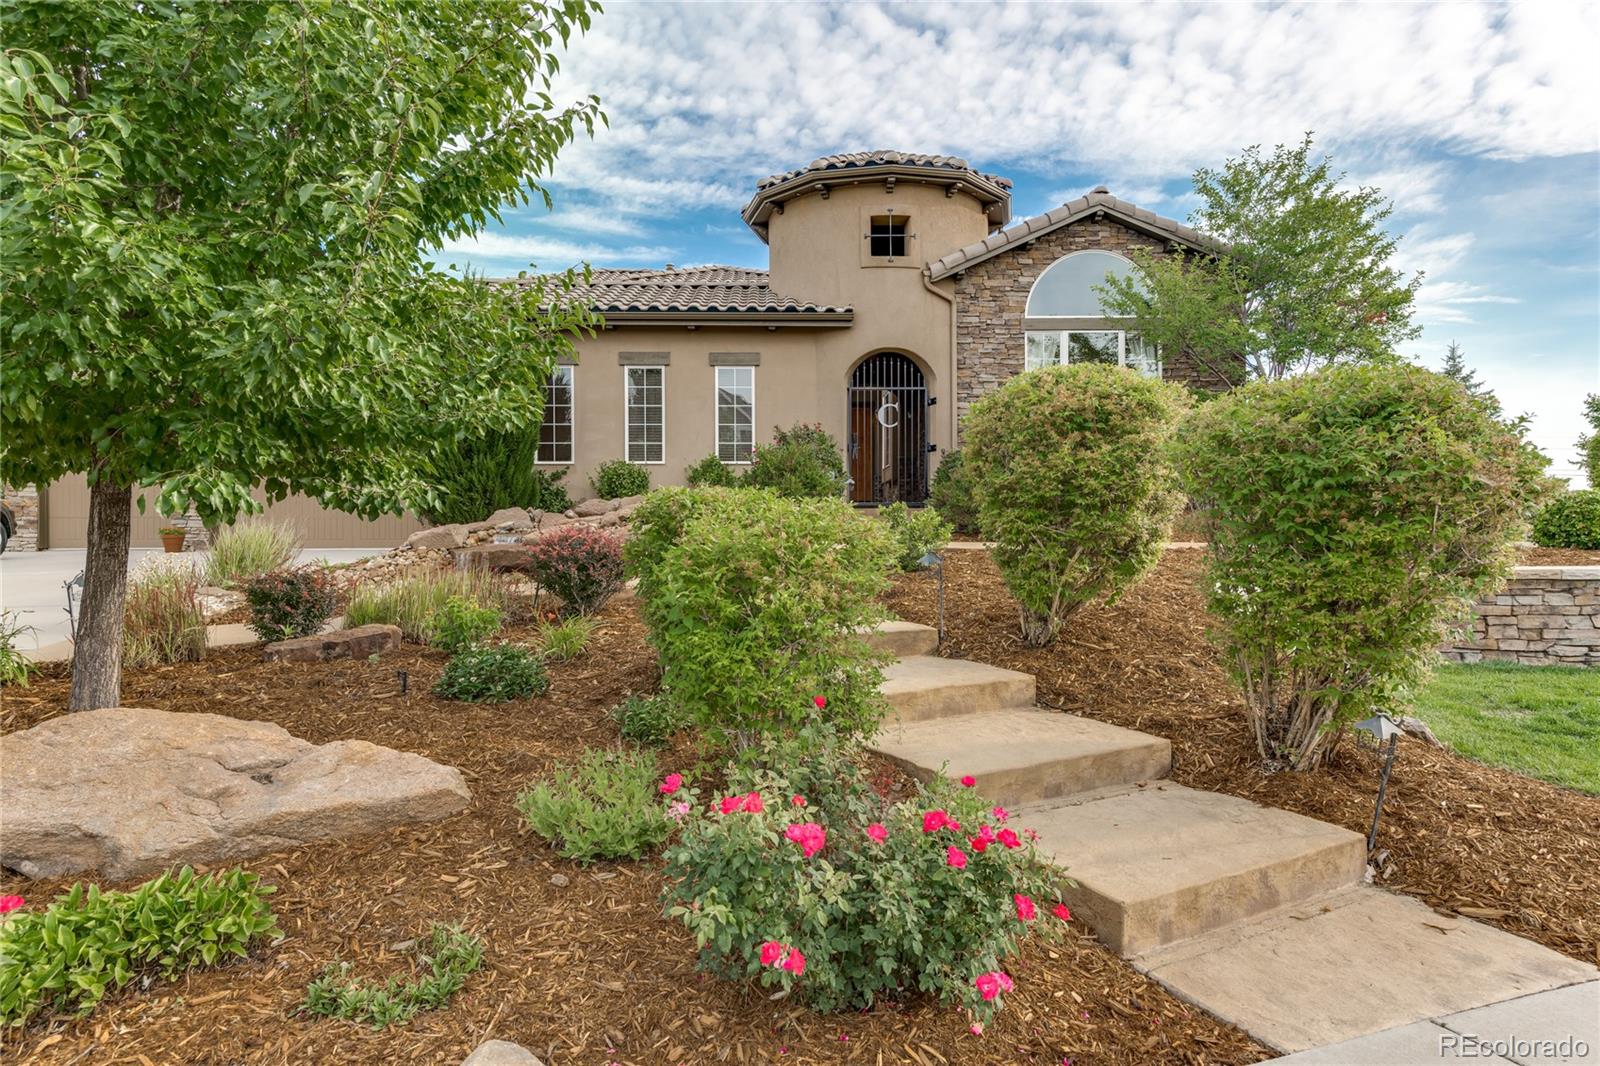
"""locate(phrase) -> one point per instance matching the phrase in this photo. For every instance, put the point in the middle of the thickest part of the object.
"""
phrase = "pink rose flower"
(809, 835)
(979, 845)
(795, 963)
(877, 832)
(987, 985)
(986, 832)
(1062, 912)
(1001, 814)
(1004, 979)
(1025, 910)
(1008, 838)
(797, 800)
(968, 781)
(954, 856)
(671, 783)
(933, 821)
(771, 953)
(678, 811)
(10, 903)
(752, 803)
(730, 804)
(821, 702)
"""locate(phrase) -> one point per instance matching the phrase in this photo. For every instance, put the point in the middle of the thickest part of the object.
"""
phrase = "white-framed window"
(736, 413)
(646, 410)
(555, 432)
(1066, 289)
(1113, 347)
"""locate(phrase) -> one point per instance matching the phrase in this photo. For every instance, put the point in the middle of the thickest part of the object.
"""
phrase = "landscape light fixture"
(935, 562)
(1382, 727)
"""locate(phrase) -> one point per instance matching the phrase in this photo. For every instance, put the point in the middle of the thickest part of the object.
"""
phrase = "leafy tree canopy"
(215, 227)
(1300, 277)
(1589, 443)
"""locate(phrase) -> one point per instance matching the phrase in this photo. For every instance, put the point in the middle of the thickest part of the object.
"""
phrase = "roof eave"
(1133, 222)
(803, 319)
(996, 199)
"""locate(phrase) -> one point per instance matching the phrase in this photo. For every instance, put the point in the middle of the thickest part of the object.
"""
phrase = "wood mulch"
(1559, 557)
(581, 966)
(1466, 838)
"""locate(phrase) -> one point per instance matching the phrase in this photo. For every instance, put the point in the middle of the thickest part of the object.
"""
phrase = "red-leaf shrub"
(290, 603)
(580, 564)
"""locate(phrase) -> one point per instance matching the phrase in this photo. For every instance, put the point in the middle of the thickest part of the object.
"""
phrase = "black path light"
(935, 562)
(1382, 727)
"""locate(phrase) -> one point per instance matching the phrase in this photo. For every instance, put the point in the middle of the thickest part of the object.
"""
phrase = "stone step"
(1358, 961)
(903, 639)
(925, 686)
(1162, 863)
(1023, 756)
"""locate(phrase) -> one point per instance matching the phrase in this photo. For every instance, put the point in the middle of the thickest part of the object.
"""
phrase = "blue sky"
(1478, 120)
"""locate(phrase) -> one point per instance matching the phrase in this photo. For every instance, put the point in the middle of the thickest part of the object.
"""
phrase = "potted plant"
(172, 538)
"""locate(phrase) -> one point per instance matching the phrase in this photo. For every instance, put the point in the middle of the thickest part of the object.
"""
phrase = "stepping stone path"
(1256, 914)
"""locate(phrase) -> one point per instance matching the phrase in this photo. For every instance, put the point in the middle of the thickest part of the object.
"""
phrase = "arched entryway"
(888, 437)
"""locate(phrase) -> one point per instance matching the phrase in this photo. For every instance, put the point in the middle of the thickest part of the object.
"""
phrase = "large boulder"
(500, 558)
(592, 508)
(510, 518)
(131, 792)
(360, 642)
(445, 537)
(501, 1053)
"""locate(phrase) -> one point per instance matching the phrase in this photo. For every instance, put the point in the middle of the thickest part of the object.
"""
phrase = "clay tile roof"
(882, 157)
(1098, 201)
(690, 290)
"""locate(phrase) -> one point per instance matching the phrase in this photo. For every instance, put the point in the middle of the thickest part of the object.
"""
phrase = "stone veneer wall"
(1547, 615)
(992, 296)
(24, 504)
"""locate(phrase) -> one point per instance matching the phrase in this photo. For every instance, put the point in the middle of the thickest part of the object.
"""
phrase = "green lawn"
(1543, 721)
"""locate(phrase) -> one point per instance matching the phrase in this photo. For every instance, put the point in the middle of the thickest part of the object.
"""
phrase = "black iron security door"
(888, 405)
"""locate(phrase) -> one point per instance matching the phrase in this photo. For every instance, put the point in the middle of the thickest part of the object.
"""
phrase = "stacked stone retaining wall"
(1547, 615)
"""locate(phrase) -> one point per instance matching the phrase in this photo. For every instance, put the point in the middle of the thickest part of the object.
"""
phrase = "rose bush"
(799, 875)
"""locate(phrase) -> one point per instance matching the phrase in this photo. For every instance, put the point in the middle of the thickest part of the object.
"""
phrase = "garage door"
(67, 521)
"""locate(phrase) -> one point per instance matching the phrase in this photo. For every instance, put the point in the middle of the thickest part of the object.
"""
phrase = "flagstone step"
(1162, 863)
(919, 687)
(1359, 961)
(1025, 756)
(904, 638)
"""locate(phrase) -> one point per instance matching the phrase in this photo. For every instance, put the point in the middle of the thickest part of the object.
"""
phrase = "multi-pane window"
(1110, 346)
(647, 414)
(736, 413)
(555, 433)
(887, 237)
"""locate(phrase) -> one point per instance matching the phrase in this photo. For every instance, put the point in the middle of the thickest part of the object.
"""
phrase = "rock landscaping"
(356, 643)
(130, 791)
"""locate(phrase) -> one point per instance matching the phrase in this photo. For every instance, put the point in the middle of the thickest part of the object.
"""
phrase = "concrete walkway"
(1255, 914)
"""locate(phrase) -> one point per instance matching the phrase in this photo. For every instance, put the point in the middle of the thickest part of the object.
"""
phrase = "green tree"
(1589, 443)
(1298, 276)
(217, 217)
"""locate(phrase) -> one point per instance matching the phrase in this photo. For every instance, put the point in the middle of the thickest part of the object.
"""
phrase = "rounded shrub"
(710, 472)
(800, 876)
(953, 492)
(459, 623)
(1078, 490)
(617, 478)
(802, 462)
(290, 603)
(580, 564)
(1354, 512)
(492, 673)
(916, 533)
(754, 604)
(1571, 520)
(648, 719)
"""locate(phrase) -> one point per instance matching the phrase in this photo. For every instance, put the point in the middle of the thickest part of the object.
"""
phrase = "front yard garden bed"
(1464, 837)
(579, 964)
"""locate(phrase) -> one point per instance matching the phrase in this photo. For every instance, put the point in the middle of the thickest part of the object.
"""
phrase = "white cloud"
(503, 249)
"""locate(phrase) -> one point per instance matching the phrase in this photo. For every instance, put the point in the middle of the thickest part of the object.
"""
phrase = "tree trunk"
(97, 652)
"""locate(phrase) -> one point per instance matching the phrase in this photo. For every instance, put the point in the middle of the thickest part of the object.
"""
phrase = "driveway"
(31, 584)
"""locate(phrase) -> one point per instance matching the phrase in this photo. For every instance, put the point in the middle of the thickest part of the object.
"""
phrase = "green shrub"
(249, 550)
(451, 956)
(1077, 487)
(617, 478)
(550, 491)
(929, 895)
(802, 462)
(1354, 512)
(754, 604)
(604, 806)
(86, 943)
(954, 492)
(475, 477)
(412, 602)
(711, 472)
(162, 618)
(580, 564)
(492, 673)
(15, 667)
(916, 533)
(1571, 520)
(565, 640)
(290, 603)
(460, 623)
(649, 720)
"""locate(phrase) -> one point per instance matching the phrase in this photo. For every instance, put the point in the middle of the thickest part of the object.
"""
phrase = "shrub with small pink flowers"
(846, 899)
(580, 564)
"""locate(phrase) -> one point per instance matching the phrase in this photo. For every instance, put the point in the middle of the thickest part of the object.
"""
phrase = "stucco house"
(898, 292)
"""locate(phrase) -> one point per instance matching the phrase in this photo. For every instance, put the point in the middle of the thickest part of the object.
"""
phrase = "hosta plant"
(800, 877)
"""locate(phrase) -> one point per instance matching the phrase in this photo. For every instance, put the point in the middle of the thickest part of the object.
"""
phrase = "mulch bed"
(1466, 838)
(1559, 557)
(581, 967)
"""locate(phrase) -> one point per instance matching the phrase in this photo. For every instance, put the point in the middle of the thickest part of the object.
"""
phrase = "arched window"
(1066, 288)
